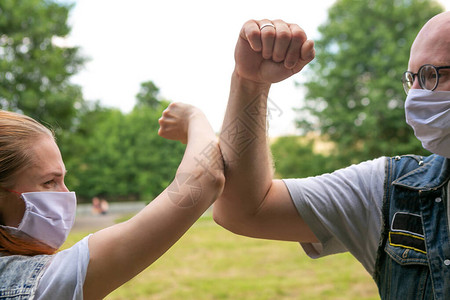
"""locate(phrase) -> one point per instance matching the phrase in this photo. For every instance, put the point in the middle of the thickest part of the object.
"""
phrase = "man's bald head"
(432, 44)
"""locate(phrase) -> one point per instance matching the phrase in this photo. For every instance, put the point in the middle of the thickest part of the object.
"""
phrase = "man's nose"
(416, 84)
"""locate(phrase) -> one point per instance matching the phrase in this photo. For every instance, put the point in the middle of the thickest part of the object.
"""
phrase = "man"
(392, 214)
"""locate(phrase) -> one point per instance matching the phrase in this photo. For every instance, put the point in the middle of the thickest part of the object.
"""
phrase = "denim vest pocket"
(406, 256)
(400, 261)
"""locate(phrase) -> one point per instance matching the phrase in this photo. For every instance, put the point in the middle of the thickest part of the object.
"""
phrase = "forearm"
(263, 55)
(134, 245)
(243, 141)
(197, 183)
(202, 150)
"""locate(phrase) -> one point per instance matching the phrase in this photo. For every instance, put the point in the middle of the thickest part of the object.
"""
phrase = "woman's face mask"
(428, 113)
(48, 217)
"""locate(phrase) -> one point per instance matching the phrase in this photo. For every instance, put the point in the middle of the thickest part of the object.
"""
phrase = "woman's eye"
(49, 183)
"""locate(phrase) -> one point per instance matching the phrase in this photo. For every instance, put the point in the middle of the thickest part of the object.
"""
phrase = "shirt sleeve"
(343, 209)
(64, 277)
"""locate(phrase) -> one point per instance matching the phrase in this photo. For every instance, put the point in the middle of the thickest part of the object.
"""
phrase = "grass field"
(212, 263)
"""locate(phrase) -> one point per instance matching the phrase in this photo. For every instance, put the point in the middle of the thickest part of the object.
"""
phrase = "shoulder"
(65, 275)
(20, 274)
(20, 265)
(362, 172)
(411, 161)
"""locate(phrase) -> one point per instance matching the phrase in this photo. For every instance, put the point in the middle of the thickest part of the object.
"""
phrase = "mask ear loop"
(11, 191)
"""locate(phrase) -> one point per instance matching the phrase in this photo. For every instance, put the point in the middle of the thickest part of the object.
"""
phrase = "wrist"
(199, 128)
(249, 86)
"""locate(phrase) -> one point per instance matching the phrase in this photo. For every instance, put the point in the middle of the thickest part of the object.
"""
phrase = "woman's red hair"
(13, 245)
(17, 135)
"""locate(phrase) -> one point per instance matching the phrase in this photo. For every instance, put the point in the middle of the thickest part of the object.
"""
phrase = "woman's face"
(45, 174)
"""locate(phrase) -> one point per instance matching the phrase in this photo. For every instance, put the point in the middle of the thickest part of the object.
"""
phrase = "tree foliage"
(148, 95)
(354, 89)
(121, 156)
(106, 152)
(295, 157)
(34, 69)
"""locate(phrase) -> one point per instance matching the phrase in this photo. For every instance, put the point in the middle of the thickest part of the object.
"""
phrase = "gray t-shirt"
(64, 277)
(343, 209)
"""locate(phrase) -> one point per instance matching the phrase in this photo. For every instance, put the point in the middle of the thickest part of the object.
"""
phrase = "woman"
(37, 211)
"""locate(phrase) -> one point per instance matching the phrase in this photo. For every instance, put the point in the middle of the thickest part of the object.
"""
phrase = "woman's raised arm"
(120, 252)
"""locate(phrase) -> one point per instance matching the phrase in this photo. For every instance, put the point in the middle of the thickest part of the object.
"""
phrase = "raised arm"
(253, 204)
(120, 252)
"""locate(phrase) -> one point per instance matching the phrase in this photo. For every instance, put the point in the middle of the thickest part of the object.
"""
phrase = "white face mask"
(48, 217)
(428, 113)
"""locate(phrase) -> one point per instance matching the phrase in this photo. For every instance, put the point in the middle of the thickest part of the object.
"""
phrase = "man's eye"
(444, 76)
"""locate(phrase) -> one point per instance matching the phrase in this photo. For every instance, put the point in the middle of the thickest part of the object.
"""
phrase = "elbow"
(219, 218)
(214, 182)
(232, 221)
(224, 222)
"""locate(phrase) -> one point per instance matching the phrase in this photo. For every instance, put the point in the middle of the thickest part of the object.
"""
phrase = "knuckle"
(253, 33)
(250, 22)
(284, 34)
(299, 35)
(165, 114)
(173, 105)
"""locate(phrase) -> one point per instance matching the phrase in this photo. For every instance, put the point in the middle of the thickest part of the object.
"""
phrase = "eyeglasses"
(428, 77)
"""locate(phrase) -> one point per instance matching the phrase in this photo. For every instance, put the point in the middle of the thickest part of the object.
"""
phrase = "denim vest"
(413, 260)
(19, 275)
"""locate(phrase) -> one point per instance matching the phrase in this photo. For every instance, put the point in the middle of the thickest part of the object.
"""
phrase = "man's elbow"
(220, 216)
(231, 220)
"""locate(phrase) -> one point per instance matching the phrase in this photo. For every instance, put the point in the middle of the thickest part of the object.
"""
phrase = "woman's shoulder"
(20, 274)
(66, 272)
(16, 264)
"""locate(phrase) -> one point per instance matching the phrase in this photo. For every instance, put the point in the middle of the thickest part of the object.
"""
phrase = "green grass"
(212, 263)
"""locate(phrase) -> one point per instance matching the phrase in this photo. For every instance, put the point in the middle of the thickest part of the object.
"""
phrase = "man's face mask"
(48, 217)
(428, 113)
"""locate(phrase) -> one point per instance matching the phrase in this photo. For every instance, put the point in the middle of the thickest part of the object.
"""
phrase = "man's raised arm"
(253, 204)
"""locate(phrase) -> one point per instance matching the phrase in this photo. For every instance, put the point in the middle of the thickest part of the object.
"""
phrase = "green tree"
(148, 95)
(91, 152)
(120, 156)
(294, 157)
(34, 69)
(354, 89)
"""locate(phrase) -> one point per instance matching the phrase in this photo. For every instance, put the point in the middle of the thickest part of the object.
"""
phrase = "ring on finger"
(266, 25)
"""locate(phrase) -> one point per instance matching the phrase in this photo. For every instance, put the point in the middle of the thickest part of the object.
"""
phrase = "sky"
(185, 47)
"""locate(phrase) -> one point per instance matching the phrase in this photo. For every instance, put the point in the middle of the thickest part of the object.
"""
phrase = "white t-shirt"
(343, 209)
(64, 277)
